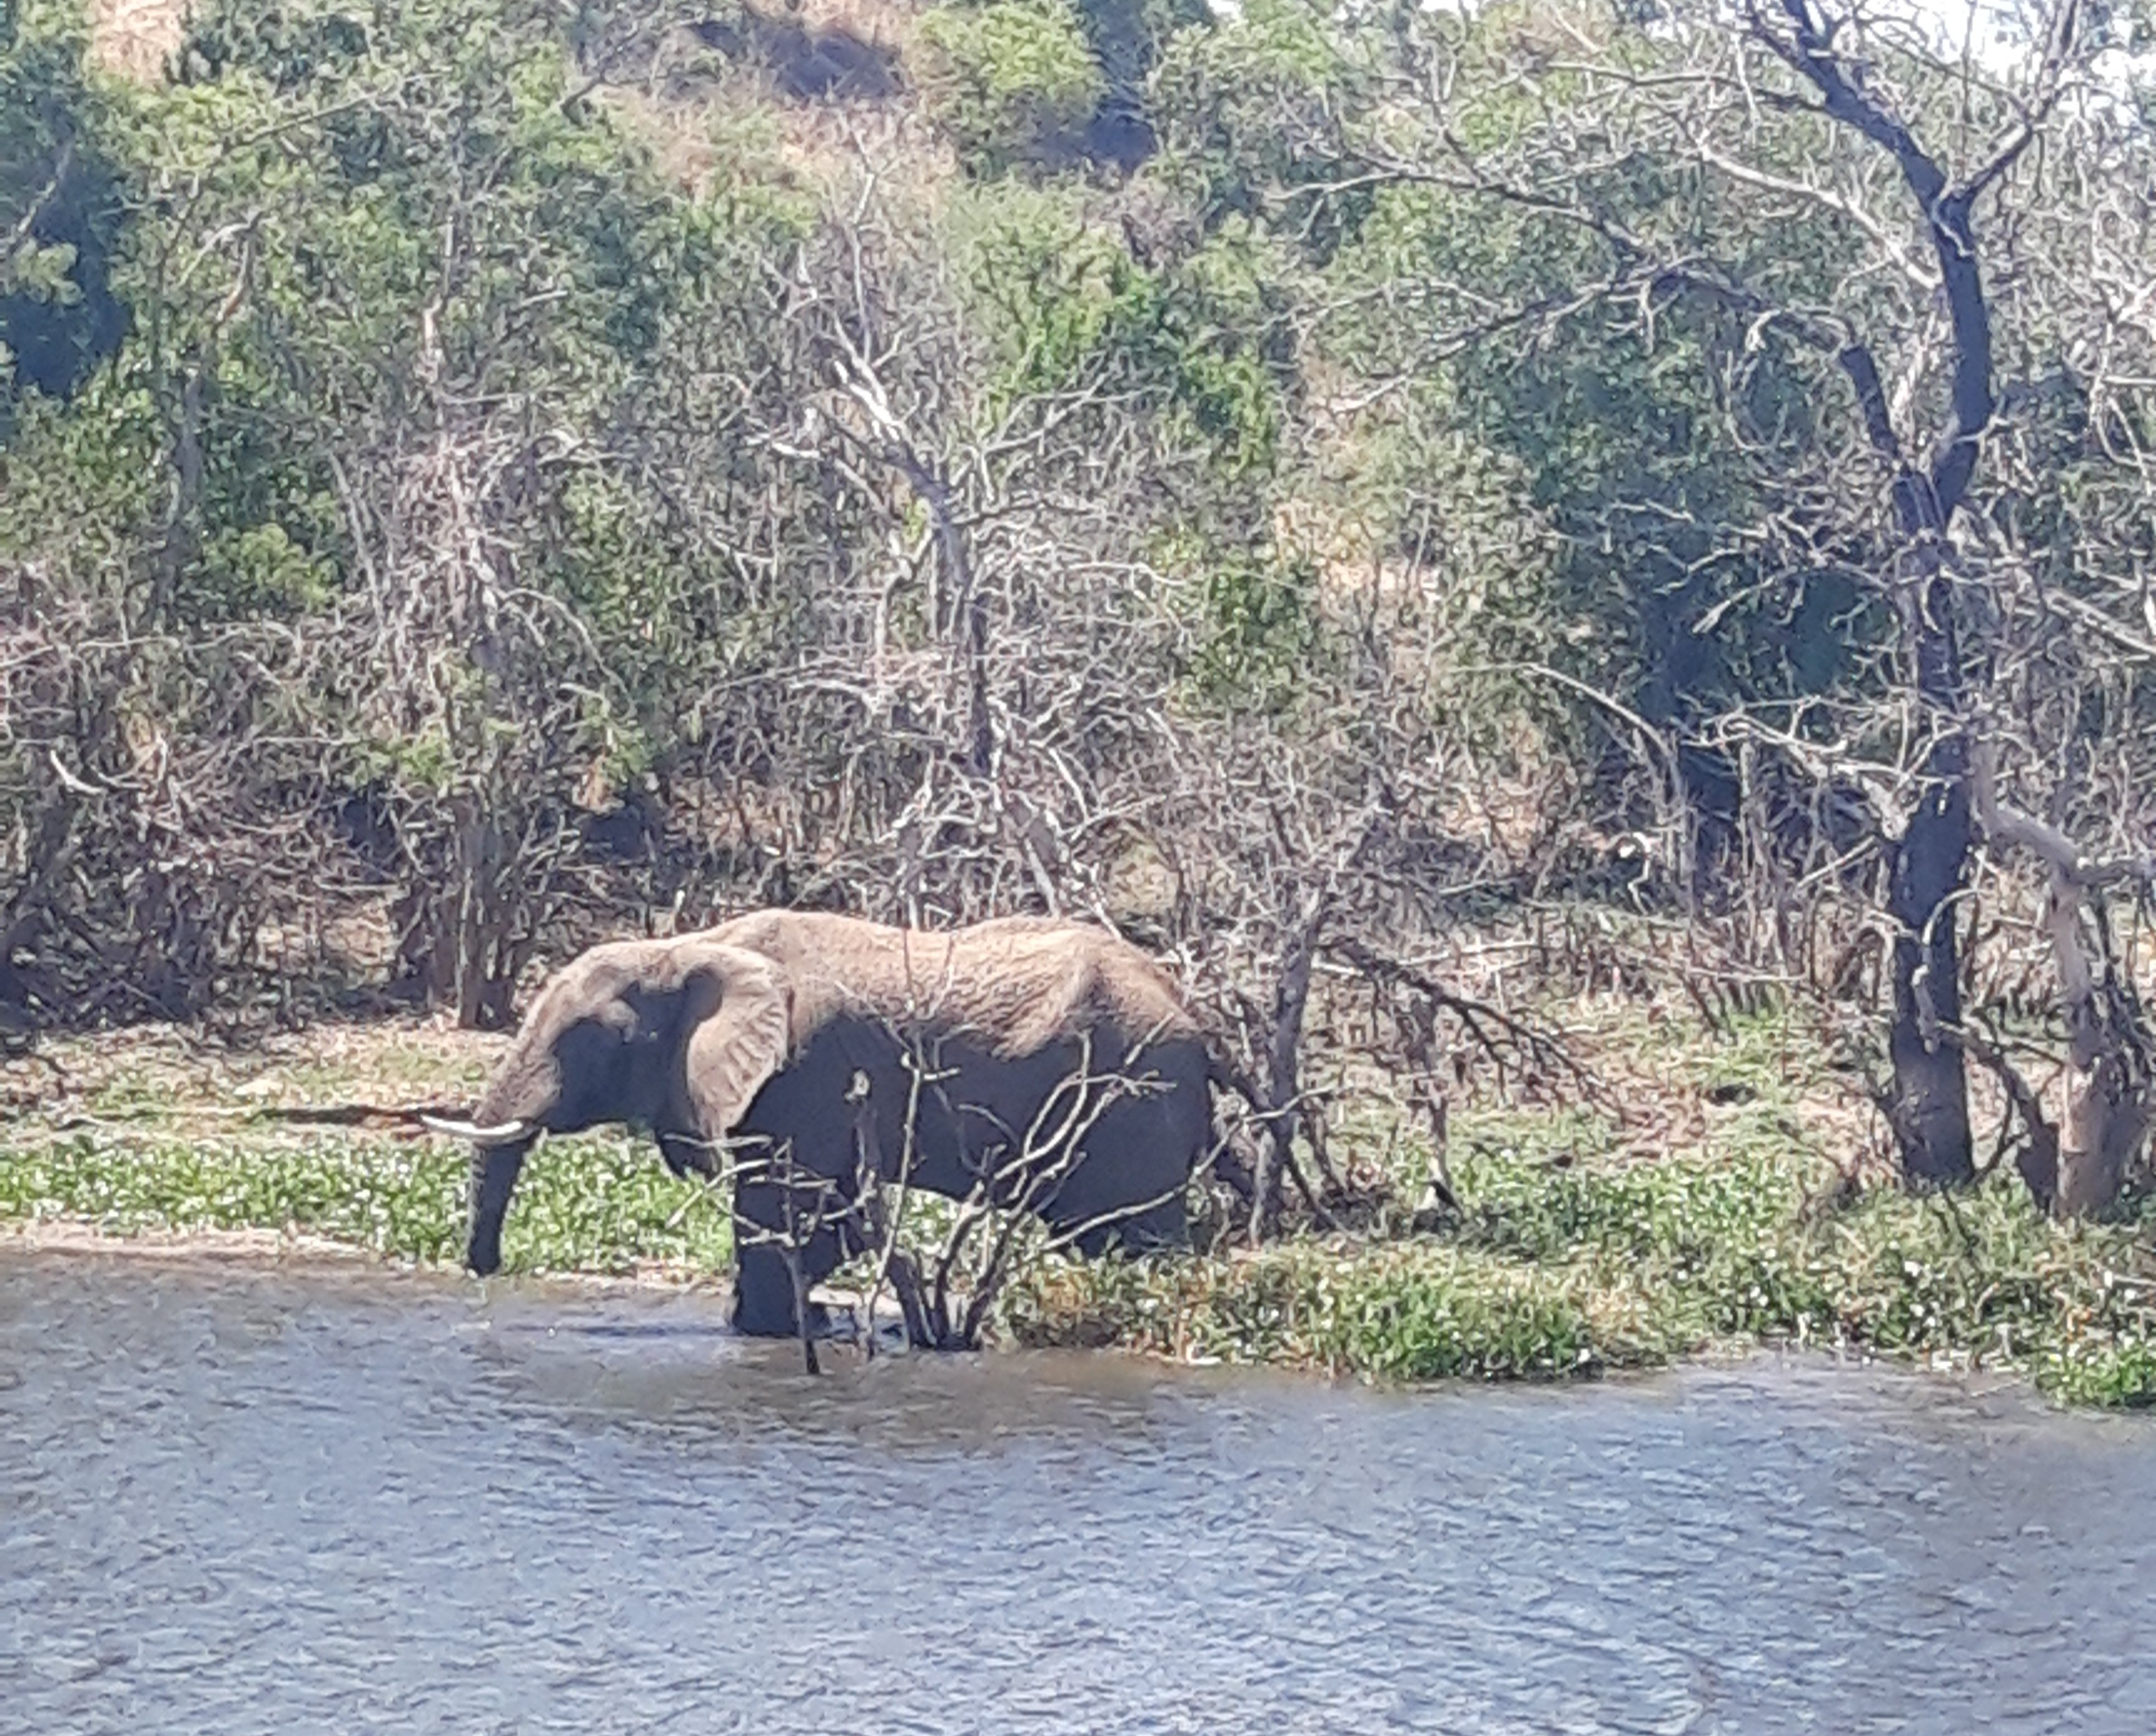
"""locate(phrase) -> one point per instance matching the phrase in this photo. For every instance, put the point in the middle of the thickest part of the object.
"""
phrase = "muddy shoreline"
(271, 1250)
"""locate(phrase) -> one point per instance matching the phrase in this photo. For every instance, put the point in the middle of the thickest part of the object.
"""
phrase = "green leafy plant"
(1013, 81)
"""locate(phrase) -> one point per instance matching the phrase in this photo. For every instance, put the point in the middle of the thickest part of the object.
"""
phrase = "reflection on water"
(277, 1501)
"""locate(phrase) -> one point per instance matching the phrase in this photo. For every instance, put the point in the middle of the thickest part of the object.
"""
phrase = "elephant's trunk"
(494, 1174)
(521, 1098)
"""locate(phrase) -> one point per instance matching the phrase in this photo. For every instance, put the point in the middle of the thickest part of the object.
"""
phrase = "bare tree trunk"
(474, 930)
(2108, 1098)
(2107, 1080)
(969, 607)
(178, 544)
(2104, 1126)
(1929, 1105)
(1283, 1067)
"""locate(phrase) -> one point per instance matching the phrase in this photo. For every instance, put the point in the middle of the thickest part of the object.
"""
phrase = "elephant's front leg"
(790, 1234)
(687, 1154)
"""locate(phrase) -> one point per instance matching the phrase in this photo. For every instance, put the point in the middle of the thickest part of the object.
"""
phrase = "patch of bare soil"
(245, 1247)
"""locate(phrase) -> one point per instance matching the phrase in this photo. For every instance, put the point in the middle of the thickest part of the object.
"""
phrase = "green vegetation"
(598, 1206)
(1577, 1252)
(142, 1140)
(1441, 509)
(1013, 79)
(1549, 1274)
(1553, 1274)
(1573, 1253)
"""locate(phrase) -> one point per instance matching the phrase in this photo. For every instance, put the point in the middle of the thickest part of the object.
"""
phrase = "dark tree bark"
(1928, 1109)
(1928, 1106)
(1283, 1068)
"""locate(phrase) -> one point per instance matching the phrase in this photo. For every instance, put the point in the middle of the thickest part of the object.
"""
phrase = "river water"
(302, 1498)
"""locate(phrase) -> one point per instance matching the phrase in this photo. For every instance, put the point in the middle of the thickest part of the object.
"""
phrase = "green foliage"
(1639, 444)
(1640, 433)
(260, 570)
(1573, 1270)
(1253, 117)
(422, 341)
(1220, 329)
(1013, 81)
(61, 212)
(1064, 308)
(1053, 291)
(1256, 627)
(586, 1205)
(1552, 1273)
(1063, 305)
(1567, 1260)
(1129, 36)
(89, 466)
(1398, 1314)
(347, 203)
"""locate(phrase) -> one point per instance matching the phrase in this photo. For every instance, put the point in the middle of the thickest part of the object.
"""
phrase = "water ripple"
(268, 1501)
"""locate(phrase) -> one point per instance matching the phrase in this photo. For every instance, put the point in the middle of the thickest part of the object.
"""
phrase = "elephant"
(1046, 1065)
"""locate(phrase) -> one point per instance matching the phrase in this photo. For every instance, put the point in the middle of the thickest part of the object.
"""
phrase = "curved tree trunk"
(1929, 1104)
(1928, 1109)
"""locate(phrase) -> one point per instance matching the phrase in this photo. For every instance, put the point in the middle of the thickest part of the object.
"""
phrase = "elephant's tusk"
(503, 1134)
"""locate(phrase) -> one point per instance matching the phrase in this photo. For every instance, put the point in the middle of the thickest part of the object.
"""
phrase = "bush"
(1011, 82)
(1577, 1272)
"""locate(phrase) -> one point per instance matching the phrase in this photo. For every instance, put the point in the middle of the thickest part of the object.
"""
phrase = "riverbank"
(153, 1133)
(1546, 1277)
(1711, 1203)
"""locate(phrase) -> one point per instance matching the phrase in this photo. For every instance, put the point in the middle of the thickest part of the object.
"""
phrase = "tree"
(374, 494)
(1932, 475)
(1728, 290)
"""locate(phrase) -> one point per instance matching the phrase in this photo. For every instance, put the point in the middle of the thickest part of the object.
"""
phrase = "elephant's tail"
(1224, 1160)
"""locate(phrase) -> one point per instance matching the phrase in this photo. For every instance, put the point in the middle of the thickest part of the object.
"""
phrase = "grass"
(144, 1136)
(587, 1206)
(1549, 1276)
(1577, 1252)
(1704, 1205)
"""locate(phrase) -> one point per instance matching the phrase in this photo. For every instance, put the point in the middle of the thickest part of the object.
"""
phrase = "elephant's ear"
(743, 1025)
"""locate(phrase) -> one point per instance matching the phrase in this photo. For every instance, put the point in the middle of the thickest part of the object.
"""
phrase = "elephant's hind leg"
(1127, 1191)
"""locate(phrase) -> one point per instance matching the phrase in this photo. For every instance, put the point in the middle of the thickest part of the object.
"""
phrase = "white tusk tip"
(500, 1134)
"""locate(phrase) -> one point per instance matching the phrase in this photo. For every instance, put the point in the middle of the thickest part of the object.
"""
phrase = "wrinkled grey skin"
(803, 1033)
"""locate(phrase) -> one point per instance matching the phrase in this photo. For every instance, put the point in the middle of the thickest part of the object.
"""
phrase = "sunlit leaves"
(1011, 80)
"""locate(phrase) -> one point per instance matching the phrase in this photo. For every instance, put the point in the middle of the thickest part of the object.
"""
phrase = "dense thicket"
(1290, 482)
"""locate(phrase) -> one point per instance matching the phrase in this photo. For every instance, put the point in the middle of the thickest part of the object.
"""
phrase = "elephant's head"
(677, 1035)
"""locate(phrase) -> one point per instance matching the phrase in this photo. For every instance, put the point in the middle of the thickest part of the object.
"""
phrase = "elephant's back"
(1037, 981)
(1014, 983)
